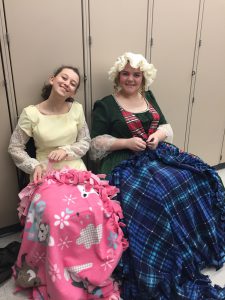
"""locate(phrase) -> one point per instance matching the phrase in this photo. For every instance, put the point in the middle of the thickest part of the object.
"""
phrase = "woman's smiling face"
(65, 83)
(130, 79)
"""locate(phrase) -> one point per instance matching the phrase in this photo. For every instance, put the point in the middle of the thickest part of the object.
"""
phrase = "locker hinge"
(199, 43)
(90, 40)
(221, 156)
(193, 100)
(85, 77)
(7, 38)
(151, 42)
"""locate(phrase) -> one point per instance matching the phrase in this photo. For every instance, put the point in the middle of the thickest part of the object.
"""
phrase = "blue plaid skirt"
(174, 209)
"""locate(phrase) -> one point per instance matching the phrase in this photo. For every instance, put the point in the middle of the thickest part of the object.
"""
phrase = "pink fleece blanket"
(72, 238)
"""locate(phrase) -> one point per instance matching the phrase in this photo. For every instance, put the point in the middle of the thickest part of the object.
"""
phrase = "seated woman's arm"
(17, 150)
(104, 144)
(168, 132)
(102, 140)
(101, 146)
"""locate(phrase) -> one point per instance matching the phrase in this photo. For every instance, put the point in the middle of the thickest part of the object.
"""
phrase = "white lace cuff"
(167, 129)
(81, 146)
(17, 150)
(100, 146)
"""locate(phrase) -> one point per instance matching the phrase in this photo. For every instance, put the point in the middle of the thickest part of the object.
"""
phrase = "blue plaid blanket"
(174, 209)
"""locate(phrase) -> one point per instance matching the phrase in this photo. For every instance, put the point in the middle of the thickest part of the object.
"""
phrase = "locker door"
(116, 26)
(208, 115)
(8, 186)
(43, 35)
(222, 157)
(172, 52)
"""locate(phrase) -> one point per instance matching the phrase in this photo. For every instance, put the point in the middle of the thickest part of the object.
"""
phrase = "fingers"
(152, 142)
(57, 155)
(150, 139)
(141, 147)
(136, 144)
(38, 173)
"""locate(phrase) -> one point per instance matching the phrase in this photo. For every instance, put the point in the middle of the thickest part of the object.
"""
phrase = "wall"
(185, 40)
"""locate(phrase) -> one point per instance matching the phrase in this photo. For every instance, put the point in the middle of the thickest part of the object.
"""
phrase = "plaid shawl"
(174, 209)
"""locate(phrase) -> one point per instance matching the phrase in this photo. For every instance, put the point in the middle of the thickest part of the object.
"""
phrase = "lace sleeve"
(167, 129)
(100, 146)
(81, 146)
(17, 148)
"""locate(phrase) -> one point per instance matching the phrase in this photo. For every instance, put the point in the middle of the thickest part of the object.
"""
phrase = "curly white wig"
(136, 61)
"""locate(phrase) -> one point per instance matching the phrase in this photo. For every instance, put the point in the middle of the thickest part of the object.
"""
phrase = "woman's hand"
(136, 144)
(57, 155)
(38, 174)
(153, 141)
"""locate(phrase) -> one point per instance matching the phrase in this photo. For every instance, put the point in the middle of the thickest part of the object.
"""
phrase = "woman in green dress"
(112, 140)
(173, 203)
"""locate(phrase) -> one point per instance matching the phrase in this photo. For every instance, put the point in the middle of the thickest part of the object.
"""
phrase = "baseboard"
(10, 230)
(220, 166)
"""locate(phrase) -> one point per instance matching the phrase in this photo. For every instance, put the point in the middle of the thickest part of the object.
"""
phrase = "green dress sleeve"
(100, 120)
(107, 119)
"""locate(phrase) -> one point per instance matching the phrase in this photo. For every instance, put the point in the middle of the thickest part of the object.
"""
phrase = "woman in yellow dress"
(72, 239)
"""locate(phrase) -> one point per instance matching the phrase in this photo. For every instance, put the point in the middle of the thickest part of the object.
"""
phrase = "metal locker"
(172, 52)
(45, 35)
(115, 27)
(8, 181)
(208, 112)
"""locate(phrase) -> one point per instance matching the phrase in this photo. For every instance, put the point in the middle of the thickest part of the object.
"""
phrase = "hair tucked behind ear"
(46, 90)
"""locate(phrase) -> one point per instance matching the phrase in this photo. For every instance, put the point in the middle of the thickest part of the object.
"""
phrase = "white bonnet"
(136, 61)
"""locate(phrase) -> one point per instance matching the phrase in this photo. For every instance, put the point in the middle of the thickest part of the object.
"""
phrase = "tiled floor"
(7, 288)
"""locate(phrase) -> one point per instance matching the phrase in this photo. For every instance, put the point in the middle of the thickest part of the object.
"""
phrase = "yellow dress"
(53, 131)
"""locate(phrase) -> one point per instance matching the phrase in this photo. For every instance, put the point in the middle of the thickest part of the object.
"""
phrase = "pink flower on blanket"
(54, 272)
(64, 243)
(110, 258)
(61, 220)
(69, 199)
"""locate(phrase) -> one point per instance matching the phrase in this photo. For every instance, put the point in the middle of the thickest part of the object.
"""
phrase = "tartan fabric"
(174, 209)
(135, 125)
(155, 121)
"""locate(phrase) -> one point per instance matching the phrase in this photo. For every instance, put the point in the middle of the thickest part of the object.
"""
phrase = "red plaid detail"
(135, 125)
